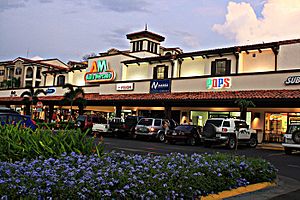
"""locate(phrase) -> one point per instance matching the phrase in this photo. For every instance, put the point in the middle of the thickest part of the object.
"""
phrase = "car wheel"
(296, 137)
(192, 141)
(231, 143)
(161, 137)
(288, 151)
(253, 142)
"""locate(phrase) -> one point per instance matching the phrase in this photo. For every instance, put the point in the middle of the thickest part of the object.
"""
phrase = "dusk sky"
(69, 29)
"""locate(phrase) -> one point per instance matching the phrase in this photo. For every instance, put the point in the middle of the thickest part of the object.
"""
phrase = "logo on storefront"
(124, 87)
(218, 83)
(292, 80)
(99, 72)
(160, 86)
(50, 90)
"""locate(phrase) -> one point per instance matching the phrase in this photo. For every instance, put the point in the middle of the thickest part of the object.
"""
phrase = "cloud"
(279, 21)
(189, 40)
(125, 5)
(11, 4)
(116, 38)
(46, 1)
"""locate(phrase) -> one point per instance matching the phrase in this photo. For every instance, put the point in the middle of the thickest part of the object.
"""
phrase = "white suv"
(292, 138)
(228, 131)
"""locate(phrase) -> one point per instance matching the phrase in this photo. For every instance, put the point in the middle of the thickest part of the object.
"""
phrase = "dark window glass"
(226, 124)
(215, 122)
(29, 72)
(1, 72)
(160, 72)
(221, 67)
(18, 71)
(37, 83)
(38, 73)
(157, 122)
(145, 122)
(28, 83)
(60, 80)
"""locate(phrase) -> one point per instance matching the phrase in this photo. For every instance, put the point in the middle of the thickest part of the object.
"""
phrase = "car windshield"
(81, 118)
(185, 128)
(216, 122)
(145, 122)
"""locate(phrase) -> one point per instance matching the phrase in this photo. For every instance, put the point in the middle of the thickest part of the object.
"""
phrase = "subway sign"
(218, 83)
(292, 80)
(160, 86)
(99, 72)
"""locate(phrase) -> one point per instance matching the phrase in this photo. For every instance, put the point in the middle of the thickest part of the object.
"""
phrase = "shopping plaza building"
(152, 80)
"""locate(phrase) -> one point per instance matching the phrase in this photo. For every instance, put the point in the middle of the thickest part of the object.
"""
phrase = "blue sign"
(51, 90)
(160, 86)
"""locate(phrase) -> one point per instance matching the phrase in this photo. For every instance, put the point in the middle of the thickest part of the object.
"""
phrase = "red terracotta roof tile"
(229, 95)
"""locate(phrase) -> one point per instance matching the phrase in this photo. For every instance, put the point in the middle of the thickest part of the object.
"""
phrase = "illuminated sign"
(99, 72)
(218, 83)
(124, 87)
(50, 90)
(160, 86)
(292, 80)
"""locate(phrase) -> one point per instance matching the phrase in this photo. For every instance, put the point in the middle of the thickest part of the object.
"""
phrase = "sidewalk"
(270, 146)
(287, 188)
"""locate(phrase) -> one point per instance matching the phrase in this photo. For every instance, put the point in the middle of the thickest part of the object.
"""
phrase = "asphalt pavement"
(288, 181)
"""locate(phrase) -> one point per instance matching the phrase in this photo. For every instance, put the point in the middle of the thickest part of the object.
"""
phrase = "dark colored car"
(127, 127)
(190, 134)
(17, 119)
(84, 122)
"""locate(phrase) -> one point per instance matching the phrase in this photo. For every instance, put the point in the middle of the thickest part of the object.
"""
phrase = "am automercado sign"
(99, 72)
(218, 83)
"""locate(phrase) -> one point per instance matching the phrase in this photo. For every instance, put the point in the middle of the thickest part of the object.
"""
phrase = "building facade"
(152, 80)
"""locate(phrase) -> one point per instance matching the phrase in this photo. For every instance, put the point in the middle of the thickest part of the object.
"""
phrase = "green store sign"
(99, 73)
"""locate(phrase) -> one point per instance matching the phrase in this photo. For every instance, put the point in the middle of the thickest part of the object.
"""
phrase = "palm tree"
(30, 98)
(244, 104)
(74, 95)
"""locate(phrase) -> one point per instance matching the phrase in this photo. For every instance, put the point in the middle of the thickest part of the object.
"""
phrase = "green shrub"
(19, 143)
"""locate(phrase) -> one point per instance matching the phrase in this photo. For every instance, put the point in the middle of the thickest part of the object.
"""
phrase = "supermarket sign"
(218, 83)
(99, 72)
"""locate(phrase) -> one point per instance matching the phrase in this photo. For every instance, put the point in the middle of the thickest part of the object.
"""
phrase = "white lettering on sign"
(292, 80)
(156, 85)
(124, 87)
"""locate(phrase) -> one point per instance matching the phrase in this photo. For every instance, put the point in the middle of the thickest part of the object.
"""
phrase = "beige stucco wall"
(249, 82)
(264, 61)
(194, 67)
(114, 63)
(77, 77)
(289, 57)
(139, 87)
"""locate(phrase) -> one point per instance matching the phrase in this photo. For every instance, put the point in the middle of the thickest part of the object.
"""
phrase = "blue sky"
(68, 29)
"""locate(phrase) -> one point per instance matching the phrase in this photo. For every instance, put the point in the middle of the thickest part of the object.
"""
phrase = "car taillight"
(224, 130)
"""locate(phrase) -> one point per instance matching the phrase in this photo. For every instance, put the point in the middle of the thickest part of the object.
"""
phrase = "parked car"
(17, 119)
(292, 138)
(116, 124)
(84, 123)
(190, 134)
(151, 127)
(100, 125)
(127, 128)
(228, 131)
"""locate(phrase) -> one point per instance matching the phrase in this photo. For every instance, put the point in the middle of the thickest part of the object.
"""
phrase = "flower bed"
(121, 176)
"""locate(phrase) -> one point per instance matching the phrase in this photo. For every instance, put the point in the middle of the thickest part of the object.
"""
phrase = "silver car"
(148, 127)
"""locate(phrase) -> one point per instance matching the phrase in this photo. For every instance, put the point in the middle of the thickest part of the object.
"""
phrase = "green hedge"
(56, 126)
(19, 143)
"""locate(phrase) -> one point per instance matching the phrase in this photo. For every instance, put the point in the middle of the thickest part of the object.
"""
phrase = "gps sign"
(218, 83)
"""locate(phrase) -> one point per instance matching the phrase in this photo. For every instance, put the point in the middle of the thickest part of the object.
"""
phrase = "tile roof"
(214, 95)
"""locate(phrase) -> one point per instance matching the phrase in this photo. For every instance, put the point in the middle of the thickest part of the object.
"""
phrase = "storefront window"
(275, 126)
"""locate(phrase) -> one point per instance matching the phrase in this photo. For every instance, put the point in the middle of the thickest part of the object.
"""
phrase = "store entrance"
(276, 125)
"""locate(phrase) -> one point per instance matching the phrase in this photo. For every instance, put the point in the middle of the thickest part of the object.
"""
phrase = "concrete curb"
(238, 191)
